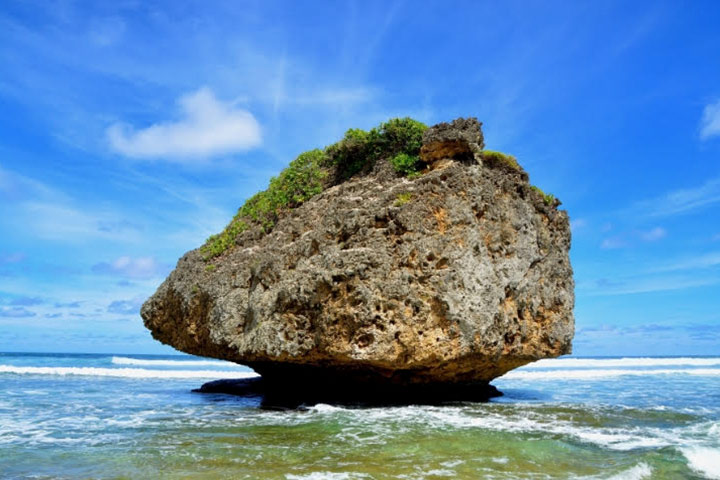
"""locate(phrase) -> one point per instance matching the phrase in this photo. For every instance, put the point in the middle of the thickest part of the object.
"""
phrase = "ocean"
(67, 416)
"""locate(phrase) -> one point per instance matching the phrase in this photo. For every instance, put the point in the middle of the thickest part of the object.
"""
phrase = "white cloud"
(710, 122)
(137, 268)
(208, 127)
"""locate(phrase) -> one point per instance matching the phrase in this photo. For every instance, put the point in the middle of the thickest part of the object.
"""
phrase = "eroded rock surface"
(456, 276)
(462, 139)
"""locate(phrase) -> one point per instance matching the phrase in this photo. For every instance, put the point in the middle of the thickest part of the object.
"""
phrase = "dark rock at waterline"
(243, 387)
(291, 395)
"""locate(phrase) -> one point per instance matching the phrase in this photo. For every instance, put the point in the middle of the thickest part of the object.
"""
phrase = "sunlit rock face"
(454, 277)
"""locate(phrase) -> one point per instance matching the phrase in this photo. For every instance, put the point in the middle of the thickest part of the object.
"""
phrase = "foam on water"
(641, 471)
(170, 363)
(327, 476)
(555, 420)
(622, 362)
(595, 374)
(124, 372)
(325, 408)
(387, 422)
(703, 460)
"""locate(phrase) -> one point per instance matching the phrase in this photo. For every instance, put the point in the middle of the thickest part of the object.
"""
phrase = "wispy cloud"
(644, 329)
(125, 307)
(75, 304)
(613, 243)
(578, 224)
(68, 223)
(654, 234)
(661, 275)
(51, 214)
(26, 301)
(629, 238)
(18, 188)
(16, 312)
(207, 127)
(678, 275)
(11, 258)
(680, 201)
(135, 268)
(710, 122)
(708, 260)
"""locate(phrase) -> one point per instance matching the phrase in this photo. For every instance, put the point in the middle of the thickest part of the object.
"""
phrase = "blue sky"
(132, 130)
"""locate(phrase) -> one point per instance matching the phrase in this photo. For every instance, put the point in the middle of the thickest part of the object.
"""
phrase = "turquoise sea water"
(128, 416)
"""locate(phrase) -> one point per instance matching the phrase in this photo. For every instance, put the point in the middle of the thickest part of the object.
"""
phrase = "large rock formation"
(450, 278)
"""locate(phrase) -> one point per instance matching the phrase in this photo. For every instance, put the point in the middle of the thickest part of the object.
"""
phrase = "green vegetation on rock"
(358, 150)
(351, 154)
(548, 198)
(406, 164)
(403, 198)
(492, 156)
(397, 141)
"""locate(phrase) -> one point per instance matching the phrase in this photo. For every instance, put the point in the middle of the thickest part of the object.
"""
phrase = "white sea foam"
(327, 476)
(605, 373)
(325, 408)
(703, 460)
(124, 372)
(638, 472)
(622, 362)
(170, 363)
(441, 472)
(524, 421)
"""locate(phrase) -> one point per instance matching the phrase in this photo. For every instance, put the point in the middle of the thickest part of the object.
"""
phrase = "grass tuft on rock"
(299, 182)
(398, 141)
(548, 198)
(494, 157)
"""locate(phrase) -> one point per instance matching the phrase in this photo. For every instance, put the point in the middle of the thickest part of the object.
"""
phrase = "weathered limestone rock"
(466, 280)
(462, 139)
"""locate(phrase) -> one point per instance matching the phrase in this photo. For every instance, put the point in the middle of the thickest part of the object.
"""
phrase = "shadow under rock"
(289, 395)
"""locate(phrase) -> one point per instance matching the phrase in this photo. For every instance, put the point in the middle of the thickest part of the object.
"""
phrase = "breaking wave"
(124, 372)
(170, 363)
(623, 362)
(638, 472)
(605, 373)
(703, 460)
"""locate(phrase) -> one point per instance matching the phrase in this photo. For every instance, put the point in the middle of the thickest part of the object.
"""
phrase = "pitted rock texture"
(467, 280)
(461, 139)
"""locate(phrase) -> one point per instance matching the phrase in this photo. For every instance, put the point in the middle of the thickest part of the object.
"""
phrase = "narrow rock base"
(292, 394)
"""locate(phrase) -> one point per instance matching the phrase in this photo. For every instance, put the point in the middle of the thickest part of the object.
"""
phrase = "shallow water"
(99, 416)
